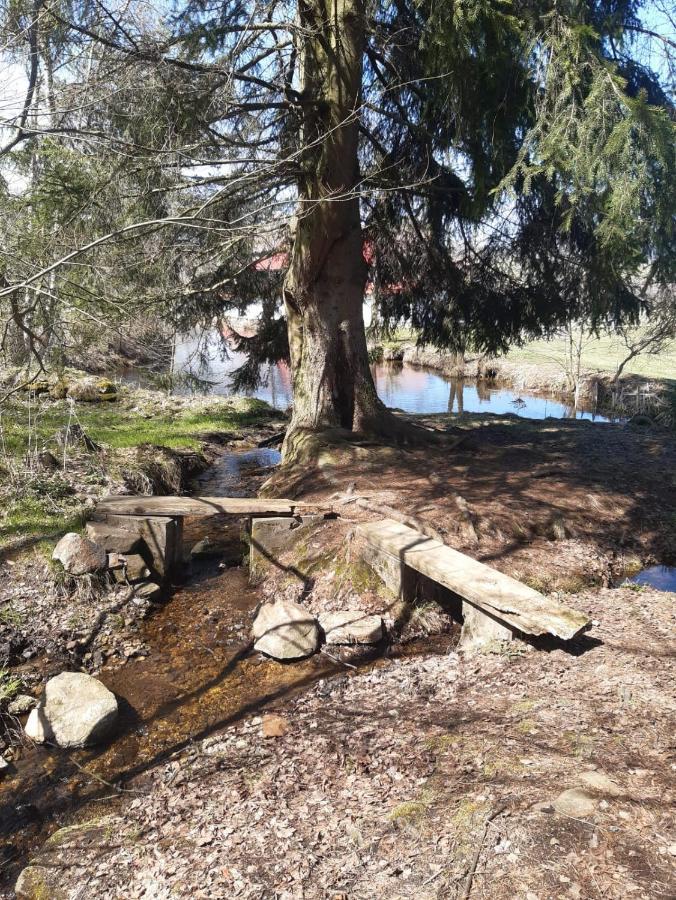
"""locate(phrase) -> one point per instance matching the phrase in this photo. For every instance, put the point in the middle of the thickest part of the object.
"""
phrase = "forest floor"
(412, 771)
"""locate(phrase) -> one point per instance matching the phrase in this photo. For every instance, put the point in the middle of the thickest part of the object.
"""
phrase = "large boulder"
(76, 710)
(79, 555)
(351, 626)
(285, 630)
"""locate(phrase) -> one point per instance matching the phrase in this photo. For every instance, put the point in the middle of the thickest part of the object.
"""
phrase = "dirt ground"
(560, 504)
(421, 772)
(400, 780)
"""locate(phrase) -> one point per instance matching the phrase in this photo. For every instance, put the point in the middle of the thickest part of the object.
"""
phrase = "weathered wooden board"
(123, 505)
(502, 597)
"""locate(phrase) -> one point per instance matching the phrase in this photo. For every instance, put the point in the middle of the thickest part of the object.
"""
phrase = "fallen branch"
(472, 869)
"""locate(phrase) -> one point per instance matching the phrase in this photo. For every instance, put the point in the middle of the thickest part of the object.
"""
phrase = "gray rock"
(351, 626)
(136, 568)
(285, 630)
(76, 710)
(147, 590)
(206, 549)
(36, 882)
(21, 704)
(575, 802)
(600, 783)
(79, 555)
(133, 568)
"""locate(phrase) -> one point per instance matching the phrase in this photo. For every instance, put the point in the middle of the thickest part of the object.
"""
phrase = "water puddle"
(662, 578)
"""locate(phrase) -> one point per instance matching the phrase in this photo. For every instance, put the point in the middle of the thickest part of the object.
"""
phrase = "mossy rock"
(39, 386)
(39, 883)
(46, 877)
(92, 390)
(59, 390)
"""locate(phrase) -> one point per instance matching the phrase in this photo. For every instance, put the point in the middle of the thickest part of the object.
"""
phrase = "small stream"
(199, 676)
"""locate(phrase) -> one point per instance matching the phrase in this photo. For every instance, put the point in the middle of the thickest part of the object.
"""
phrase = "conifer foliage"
(489, 169)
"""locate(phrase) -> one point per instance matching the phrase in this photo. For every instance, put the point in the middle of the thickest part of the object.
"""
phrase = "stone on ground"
(36, 882)
(352, 626)
(92, 390)
(134, 568)
(21, 704)
(76, 710)
(274, 726)
(147, 590)
(575, 802)
(597, 781)
(285, 630)
(79, 555)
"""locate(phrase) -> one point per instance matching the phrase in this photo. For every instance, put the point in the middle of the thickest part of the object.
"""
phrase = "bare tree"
(651, 338)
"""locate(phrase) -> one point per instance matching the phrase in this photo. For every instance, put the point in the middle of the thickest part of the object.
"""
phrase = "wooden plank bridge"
(494, 606)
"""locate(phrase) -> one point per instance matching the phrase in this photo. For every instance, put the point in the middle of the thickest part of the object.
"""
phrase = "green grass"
(602, 354)
(31, 518)
(10, 685)
(118, 427)
(39, 505)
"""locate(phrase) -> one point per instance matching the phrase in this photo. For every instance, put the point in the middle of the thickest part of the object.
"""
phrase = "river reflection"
(401, 386)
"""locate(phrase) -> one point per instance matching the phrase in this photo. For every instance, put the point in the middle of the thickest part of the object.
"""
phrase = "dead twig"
(336, 659)
(472, 869)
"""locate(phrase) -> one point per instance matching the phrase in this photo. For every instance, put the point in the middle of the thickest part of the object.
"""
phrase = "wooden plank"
(123, 505)
(505, 598)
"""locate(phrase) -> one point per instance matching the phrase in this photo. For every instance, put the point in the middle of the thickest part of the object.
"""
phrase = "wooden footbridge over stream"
(494, 605)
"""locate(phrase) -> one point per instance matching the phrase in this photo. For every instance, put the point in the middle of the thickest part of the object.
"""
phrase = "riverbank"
(58, 456)
(541, 368)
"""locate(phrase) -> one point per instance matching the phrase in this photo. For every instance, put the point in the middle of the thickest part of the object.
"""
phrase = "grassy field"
(602, 354)
(118, 426)
(599, 354)
(38, 503)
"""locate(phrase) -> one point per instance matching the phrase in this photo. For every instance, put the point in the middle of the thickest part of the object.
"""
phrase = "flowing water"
(206, 363)
(199, 676)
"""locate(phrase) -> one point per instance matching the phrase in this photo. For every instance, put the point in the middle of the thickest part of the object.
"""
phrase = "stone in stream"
(147, 590)
(285, 630)
(351, 626)
(78, 555)
(133, 568)
(76, 710)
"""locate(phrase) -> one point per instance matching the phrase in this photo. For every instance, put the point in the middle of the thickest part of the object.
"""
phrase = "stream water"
(199, 676)
(662, 578)
(205, 362)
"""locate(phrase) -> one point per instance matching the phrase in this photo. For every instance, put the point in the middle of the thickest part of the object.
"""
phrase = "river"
(204, 362)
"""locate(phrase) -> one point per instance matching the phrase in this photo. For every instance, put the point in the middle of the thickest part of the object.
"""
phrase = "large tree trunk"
(324, 287)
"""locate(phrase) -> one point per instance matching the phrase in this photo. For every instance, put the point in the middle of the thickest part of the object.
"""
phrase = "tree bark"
(324, 286)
